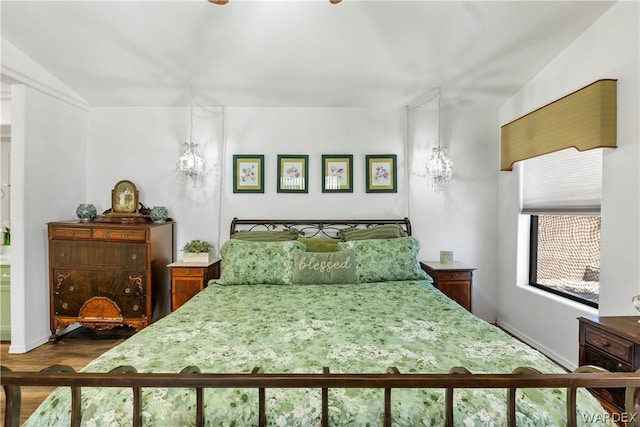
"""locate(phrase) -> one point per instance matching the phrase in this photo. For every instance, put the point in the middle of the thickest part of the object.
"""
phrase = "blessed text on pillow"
(324, 267)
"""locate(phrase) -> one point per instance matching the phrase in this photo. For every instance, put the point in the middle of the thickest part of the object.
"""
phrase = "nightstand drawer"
(188, 272)
(598, 358)
(454, 275)
(610, 344)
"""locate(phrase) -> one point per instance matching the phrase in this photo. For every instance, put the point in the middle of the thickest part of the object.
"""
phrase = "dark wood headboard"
(313, 227)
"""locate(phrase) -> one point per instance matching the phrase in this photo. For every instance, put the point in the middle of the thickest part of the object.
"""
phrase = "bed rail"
(313, 227)
(191, 377)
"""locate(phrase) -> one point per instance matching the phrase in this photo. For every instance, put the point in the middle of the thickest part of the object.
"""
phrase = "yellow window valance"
(584, 119)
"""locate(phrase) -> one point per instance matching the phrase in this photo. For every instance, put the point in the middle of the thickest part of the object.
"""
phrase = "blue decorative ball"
(159, 214)
(86, 212)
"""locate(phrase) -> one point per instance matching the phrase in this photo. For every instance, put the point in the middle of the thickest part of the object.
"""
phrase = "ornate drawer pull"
(134, 256)
(61, 254)
(606, 344)
(455, 275)
(187, 272)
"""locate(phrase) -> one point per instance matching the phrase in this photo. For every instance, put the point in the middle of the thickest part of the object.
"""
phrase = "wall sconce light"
(439, 167)
(191, 163)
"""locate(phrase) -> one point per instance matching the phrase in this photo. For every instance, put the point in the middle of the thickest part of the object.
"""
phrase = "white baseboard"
(567, 364)
(19, 349)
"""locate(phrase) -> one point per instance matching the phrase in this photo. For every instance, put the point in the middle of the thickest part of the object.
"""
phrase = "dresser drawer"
(454, 275)
(93, 254)
(610, 344)
(73, 288)
(119, 234)
(72, 233)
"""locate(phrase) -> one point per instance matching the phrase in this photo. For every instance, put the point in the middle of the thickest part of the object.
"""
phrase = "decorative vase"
(86, 212)
(159, 214)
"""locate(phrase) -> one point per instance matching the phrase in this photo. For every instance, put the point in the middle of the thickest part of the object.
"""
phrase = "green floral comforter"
(301, 328)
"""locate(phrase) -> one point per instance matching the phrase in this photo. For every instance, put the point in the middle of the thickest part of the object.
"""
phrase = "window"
(565, 256)
(562, 192)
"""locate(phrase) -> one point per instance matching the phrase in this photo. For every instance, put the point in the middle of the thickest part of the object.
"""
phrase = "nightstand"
(189, 278)
(454, 280)
(613, 343)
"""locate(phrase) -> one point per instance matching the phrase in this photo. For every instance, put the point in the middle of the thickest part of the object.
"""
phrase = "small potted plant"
(6, 235)
(198, 251)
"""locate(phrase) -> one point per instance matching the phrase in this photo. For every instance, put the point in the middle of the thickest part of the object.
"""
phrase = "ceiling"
(293, 53)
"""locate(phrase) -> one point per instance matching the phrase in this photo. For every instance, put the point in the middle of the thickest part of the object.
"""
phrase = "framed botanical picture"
(124, 198)
(293, 173)
(381, 173)
(248, 173)
(337, 173)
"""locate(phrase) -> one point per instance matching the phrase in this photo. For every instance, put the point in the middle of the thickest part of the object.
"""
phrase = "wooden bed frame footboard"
(190, 377)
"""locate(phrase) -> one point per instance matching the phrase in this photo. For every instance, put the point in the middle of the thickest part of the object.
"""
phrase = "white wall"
(48, 178)
(142, 144)
(609, 49)
(463, 217)
(315, 131)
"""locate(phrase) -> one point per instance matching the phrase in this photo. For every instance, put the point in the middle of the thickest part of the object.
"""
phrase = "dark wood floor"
(76, 352)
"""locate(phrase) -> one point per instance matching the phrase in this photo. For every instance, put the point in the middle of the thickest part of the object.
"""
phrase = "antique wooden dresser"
(104, 275)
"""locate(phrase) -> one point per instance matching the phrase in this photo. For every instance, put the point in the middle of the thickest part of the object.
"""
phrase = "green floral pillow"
(251, 263)
(386, 231)
(381, 260)
(324, 267)
(266, 236)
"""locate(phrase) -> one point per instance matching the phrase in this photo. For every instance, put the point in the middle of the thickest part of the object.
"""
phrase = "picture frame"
(124, 198)
(381, 173)
(248, 173)
(337, 173)
(293, 173)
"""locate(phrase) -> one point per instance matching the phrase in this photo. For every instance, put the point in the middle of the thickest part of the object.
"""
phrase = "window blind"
(564, 182)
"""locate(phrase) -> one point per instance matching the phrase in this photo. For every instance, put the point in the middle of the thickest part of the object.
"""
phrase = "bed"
(351, 333)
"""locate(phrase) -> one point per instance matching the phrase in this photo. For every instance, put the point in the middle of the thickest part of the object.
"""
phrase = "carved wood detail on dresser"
(104, 275)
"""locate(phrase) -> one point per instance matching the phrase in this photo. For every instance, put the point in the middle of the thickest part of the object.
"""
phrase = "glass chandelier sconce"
(191, 163)
(439, 167)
